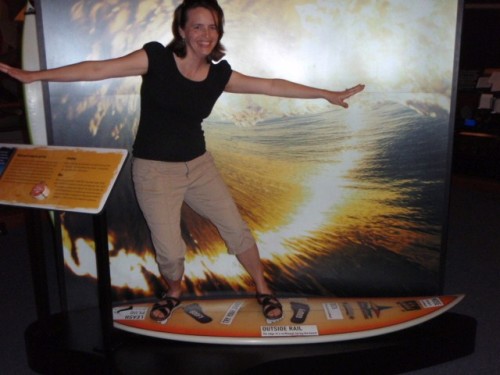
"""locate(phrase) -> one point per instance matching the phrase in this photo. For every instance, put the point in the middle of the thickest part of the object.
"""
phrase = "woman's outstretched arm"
(243, 84)
(135, 63)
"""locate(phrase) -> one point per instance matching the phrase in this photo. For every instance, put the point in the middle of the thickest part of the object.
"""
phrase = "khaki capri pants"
(162, 187)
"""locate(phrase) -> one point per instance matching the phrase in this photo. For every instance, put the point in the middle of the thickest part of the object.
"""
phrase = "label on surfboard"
(289, 331)
(305, 320)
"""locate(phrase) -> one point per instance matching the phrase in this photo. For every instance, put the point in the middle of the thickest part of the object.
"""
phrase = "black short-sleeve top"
(173, 107)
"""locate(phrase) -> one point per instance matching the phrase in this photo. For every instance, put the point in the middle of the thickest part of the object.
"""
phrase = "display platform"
(305, 320)
(71, 344)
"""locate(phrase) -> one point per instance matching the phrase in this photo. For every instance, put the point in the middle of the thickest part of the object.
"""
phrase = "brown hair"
(178, 44)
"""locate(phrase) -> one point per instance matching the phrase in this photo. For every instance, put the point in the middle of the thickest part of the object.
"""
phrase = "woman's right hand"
(21, 75)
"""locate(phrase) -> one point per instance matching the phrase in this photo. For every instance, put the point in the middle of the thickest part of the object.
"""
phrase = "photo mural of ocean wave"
(337, 206)
(328, 198)
(341, 202)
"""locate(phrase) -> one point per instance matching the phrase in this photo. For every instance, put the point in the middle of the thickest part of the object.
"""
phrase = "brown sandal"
(269, 303)
(166, 307)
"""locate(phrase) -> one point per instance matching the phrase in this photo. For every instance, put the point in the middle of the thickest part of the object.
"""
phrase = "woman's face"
(200, 32)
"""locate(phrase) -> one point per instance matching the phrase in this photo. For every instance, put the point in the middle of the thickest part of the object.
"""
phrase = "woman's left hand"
(339, 97)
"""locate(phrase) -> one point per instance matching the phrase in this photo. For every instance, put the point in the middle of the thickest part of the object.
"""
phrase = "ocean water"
(373, 185)
(344, 202)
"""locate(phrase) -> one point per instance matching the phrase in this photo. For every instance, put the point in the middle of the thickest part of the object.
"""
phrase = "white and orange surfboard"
(33, 93)
(305, 320)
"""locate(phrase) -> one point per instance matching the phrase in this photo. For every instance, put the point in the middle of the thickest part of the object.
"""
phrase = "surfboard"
(305, 320)
(33, 94)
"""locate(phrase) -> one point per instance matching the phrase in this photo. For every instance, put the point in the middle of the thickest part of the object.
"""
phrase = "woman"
(170, 163)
